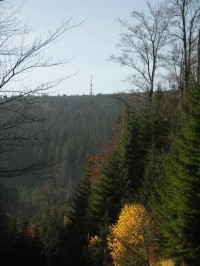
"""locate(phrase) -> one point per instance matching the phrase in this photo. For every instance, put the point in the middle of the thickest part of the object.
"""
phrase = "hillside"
(74, 128)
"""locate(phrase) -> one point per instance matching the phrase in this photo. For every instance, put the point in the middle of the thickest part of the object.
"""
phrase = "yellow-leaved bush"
(66, 220)
(93, 242)
(166, 263)
(130, 239)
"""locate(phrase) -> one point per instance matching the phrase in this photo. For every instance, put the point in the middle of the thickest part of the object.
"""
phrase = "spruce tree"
(179, 213)
(105, 204)
(74, 237)
(133, 154)
(107, 194)
(162, 118)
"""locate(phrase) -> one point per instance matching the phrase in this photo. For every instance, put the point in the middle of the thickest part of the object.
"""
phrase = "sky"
(89, 46)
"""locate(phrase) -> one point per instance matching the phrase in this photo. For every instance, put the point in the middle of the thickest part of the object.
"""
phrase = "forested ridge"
(107, 180)
(71, 128)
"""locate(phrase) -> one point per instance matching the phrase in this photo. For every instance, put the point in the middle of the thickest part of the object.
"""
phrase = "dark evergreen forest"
(69, 129)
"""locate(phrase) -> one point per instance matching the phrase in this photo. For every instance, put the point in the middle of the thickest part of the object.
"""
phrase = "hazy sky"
(90, 44)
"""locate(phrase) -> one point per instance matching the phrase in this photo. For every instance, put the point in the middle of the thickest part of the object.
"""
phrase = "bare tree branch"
(20, 54)
(142, 47)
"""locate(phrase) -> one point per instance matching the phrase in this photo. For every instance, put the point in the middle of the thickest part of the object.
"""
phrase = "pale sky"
(90, 44)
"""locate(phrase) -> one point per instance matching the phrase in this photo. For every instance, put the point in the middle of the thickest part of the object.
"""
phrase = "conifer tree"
(74, 237)
(162, 122)
(105, 202)
(145, 139)
(179, 213)
(134, 151)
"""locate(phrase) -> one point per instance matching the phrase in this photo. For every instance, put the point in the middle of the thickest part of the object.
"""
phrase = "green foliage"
(180, 212)
(134, 152)
(162, 119)
(105, 201)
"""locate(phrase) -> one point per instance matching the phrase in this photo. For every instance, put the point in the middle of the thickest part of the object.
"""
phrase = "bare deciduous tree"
(185, 20)
(20, 54)
(143, 47)
(161, 43)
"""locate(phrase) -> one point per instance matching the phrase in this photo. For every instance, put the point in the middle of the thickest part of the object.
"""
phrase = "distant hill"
(78, 127)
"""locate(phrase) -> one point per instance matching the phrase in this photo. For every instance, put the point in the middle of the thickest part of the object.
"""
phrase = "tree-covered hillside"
(82, 125)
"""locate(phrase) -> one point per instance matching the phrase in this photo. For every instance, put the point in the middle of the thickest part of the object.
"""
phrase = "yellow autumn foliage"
(93, 242)
(166, 263)
(66, 220)
(128, 236)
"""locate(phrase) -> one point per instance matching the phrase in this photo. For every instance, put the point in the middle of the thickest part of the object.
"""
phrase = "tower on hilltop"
(91, 92)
